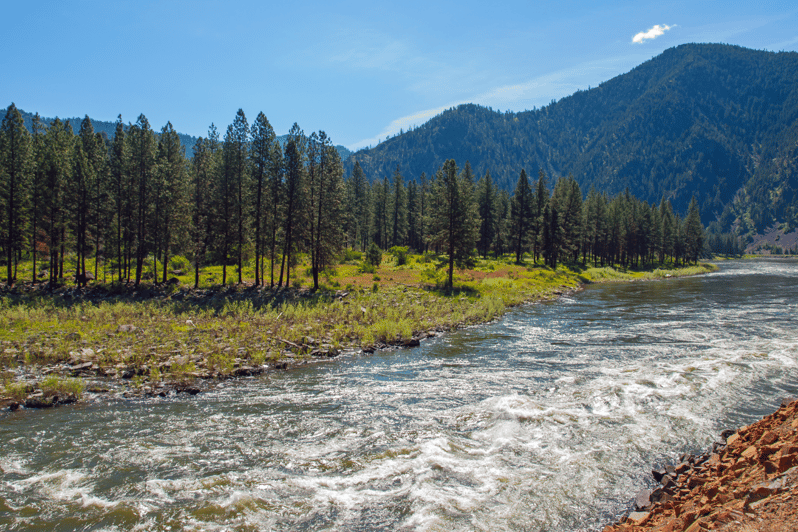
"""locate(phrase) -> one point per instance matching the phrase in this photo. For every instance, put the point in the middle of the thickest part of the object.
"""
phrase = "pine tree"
(399, 210)
(454, 216)
(57, 162)
(14, 178)
(295, 153)
(541, 198)
(37, 187)
(263, 137)
(380, 193)
(276, 172)
(693, 233)
(521, 214)
(200, 168)
(487, 202)
(171, 193)
(359, 208)
(143, 146)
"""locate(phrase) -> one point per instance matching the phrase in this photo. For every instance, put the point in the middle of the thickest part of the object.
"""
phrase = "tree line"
(136, 200)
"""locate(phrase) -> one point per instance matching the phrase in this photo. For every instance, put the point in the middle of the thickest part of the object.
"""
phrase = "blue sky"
(358, 70)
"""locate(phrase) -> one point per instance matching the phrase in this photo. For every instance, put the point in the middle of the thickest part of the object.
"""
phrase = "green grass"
(177, 341)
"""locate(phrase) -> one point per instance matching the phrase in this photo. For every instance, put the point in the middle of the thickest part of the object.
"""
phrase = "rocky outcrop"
(747, 482)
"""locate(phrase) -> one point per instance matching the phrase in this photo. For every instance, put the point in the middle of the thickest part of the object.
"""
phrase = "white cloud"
(653, 33)
(536, 92)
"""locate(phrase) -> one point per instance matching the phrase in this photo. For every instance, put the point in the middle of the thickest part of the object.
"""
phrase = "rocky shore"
(747, 482)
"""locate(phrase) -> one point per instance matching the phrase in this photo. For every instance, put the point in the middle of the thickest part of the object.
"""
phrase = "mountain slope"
(703, 119)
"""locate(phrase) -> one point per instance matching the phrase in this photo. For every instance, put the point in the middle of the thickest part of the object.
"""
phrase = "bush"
(350, 255)
(400, 253)
(374, 255)
(365, 267)
(180, 263)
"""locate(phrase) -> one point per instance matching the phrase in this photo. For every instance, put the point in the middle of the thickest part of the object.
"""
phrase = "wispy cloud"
(520, 96)
(653, 33)
(406, 122)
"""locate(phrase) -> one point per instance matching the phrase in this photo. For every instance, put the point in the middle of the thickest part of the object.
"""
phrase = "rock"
(14, 406)
(247, 371)
(669, 483)
(80, 368)
(639, 518)
(658, 474)
(726, 434)
(661, 496)
(787, 401)
(642, 499)
(682, 468)
(40, 401)
(412, 342)
(73, 336)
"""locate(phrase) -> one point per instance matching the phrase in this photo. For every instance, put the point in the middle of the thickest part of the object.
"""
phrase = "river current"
(548, 419)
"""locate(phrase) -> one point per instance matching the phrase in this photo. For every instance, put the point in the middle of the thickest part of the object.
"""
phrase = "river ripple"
(545, 420)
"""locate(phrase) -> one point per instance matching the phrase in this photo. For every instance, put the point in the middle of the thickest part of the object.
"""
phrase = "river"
(548, 419)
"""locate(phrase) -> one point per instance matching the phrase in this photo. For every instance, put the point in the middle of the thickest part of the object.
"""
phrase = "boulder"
(643, 500)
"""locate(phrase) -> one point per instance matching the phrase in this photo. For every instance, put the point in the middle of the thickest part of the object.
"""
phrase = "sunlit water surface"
(549, 419)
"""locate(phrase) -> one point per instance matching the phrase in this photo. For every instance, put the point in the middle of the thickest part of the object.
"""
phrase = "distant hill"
(713, 120)
(109, 130)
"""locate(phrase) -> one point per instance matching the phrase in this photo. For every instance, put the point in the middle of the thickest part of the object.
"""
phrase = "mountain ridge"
(703, 119)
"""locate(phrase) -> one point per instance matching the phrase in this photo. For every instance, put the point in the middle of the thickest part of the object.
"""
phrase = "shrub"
(365, 267)
(53, 385)
(400, 254)
(180, 263)
(374, 255)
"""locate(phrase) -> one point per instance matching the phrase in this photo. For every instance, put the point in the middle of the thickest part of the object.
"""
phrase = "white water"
(547, 420)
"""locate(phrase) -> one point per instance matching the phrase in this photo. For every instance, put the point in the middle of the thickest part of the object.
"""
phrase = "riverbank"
(748, 482)
(60, 346)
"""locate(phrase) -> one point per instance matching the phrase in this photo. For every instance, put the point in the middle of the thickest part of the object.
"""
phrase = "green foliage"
(400, 253)
(53, 385)
(374, 255)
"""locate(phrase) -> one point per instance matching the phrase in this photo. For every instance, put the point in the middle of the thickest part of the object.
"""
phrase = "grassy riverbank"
(157, 339)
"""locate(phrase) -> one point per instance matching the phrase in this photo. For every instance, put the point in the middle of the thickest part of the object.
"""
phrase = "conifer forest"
(133, 201)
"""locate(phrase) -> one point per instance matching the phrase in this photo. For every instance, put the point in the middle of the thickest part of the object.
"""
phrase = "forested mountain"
(710, 120)
(107, 129)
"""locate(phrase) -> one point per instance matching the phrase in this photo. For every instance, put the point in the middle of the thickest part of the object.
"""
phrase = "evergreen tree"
(399, 210)
(236, 164)
(170, 194)
(693, 236)
(358, 208)
(276, 172)
(263, 138)
(487, 202)
(143, 146)
(454, 216)
(57, 162)
(521, 215)
(200, 226)
(380, 193)
(295, 150)
(14, 178)
(541, 198)
(37, 187)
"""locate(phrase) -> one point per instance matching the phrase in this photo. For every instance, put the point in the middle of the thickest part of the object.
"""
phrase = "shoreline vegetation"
(109, 340)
